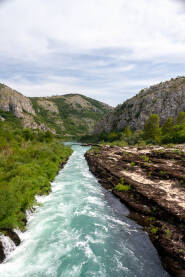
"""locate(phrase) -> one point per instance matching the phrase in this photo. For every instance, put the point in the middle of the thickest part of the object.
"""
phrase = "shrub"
(168, 233)
(151, 129)
(154, 230)
(145, 158)
(121, 187)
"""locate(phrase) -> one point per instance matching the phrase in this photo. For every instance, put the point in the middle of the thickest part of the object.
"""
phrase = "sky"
(104, 49)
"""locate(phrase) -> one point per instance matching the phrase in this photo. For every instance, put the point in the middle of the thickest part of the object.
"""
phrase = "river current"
(81, 230)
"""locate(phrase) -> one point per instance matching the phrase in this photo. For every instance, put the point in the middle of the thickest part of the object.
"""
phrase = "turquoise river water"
(81, 230)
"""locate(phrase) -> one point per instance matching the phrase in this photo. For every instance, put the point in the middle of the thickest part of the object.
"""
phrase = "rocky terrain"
(166, 99)
(151, 182)
(70, 114)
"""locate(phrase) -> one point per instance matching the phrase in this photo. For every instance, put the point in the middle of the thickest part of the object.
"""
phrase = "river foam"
(77, 231)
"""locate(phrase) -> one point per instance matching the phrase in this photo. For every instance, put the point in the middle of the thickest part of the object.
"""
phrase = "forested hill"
(70, 114)
(166, 100)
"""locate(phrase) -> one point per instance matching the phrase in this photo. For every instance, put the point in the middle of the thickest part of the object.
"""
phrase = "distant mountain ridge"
(70, 114)
(166, 99)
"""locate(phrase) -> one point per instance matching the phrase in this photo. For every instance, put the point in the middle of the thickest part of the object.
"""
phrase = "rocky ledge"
(151, 182)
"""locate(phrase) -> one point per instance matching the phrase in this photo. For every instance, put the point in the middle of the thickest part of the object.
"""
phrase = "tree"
(180, 119)
(151, 129)
(112, 136)
(126, 135)
(167, 126)
(127, 132)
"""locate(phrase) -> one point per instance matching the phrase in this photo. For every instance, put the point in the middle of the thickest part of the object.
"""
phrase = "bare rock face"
(48, 105)
(28, 121)
(13, 101)
(21, 107)
(165, 99)
(78, 102)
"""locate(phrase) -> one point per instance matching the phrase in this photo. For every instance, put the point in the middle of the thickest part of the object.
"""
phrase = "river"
(81, 230)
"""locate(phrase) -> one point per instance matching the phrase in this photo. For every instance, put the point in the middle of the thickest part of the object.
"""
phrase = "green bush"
(145, 158)
(154, 230)
(121, 187)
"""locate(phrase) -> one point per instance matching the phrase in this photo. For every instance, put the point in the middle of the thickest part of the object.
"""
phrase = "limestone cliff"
(13, 101)
(166, 99)
(21, 107)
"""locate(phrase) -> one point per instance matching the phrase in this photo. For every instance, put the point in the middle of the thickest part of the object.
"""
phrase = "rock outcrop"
(166, 99)
(13, 101)
(153, 188)
(21, 107)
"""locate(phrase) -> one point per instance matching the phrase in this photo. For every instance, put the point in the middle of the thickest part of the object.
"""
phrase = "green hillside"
(70, 114)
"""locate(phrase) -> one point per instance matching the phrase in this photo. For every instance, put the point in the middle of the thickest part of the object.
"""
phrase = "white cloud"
(147, 28)
(34, 30)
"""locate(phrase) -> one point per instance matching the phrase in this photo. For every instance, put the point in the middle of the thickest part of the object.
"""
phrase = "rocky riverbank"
(152, 184)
